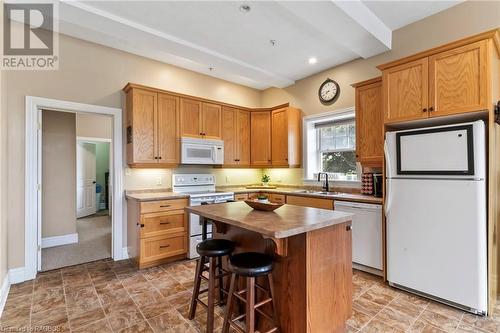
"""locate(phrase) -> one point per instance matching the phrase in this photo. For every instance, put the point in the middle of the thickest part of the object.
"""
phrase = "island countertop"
(286, 221)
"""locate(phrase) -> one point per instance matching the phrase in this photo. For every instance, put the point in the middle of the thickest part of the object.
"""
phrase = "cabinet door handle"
(159, 157)
(164, 246)
(164, 206)
(431, 109)
(424, 110)
(348, 228)
(164, 223)
(140, 224)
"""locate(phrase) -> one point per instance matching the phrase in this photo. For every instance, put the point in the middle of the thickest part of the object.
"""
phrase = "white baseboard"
(4, 292)
(59, 240)
(125, 253)
(16, 275)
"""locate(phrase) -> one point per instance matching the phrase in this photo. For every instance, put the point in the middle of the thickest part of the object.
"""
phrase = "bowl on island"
(263, 206)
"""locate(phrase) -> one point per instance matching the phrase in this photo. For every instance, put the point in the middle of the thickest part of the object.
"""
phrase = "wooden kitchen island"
(313, 265)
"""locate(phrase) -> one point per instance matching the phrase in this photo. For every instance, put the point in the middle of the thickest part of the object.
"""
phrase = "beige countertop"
(151, 195)
(286, 221)
(298, 191)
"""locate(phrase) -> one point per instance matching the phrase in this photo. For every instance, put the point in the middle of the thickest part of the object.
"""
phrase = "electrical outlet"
(158, 181)
(228, 180)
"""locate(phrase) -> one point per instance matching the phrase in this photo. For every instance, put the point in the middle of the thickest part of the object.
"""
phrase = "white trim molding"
(92, 139)
(17, 275)
(32, 240)
(59, 240)
(126, 252)
(4, 292)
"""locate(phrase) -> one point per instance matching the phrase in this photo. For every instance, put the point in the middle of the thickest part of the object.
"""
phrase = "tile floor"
(107, 296)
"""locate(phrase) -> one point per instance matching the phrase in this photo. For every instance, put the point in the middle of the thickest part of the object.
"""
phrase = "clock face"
(329, 91)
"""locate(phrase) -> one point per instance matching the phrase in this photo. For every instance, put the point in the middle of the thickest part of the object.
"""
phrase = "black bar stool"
(213, 250)
(250, 265)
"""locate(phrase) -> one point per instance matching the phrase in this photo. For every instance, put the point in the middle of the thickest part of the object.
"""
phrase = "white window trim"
(310, 147)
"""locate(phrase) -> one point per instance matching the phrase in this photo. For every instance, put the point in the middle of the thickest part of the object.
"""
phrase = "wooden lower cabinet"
(241, 196)
(310, 202)
(158, 231)
(277, 198)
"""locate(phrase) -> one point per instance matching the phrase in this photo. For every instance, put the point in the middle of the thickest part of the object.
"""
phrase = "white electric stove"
(201, 190)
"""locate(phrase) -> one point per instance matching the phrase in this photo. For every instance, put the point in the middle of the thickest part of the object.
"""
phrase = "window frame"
(311, 142)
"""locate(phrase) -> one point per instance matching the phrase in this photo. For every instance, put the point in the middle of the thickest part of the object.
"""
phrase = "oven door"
(195, 226)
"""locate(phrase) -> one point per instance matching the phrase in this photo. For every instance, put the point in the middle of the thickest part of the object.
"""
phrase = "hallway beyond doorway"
(94, 243)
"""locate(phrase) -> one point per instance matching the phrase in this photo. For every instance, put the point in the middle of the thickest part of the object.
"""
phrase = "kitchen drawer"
(154, 224)
(241, 197)
(310, 202)
(253, 195)
(163, 205)
(278, 198)
(160, 247)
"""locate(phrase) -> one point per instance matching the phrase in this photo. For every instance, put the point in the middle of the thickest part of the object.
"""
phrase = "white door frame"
(32, 204)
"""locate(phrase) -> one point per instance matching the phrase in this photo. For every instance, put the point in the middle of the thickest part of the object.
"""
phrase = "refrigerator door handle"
(388, 170)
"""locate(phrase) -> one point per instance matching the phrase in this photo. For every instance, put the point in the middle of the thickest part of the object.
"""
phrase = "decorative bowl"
(263, 206)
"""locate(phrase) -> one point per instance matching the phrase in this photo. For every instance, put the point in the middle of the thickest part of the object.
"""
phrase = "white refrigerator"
(436, 213)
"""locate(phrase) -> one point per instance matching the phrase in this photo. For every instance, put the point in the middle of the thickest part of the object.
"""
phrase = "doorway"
(76, 224)
(34, 185)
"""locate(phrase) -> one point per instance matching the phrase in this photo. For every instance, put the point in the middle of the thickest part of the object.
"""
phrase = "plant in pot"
(262, 198)
(265, 180)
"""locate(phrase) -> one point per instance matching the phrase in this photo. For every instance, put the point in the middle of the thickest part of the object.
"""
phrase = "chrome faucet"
(326, 186)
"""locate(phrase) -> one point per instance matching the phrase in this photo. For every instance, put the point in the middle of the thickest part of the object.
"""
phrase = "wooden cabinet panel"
(405, 91)
(241, 196)
(154, 224)
(278, 198)
(191, 118)
(458, 80)
(369, 123)
(310, 202)
(211, 121)
(254, 195)
(168, 129)
(163, 205)
(260, 134)
(229, 135)
(243, 137)
(279, 137)
(143, 126)
(161, 247)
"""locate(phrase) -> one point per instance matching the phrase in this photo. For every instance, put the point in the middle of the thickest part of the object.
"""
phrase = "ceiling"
(219, 39)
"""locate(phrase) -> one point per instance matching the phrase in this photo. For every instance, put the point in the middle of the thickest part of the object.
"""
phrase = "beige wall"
(58, 173)
(93, 74)
(468, 18)
(94, 126)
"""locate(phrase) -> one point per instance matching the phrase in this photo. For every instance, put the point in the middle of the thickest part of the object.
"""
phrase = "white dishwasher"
(366, 235)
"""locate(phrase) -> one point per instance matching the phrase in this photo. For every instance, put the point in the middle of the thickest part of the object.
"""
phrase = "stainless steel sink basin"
(318, 192)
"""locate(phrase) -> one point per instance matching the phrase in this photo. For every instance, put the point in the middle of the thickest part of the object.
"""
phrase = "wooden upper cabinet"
(141, 127)
(405, 91)
(152, 128)
(455, 78)
(211, 121)
(190, 118)
(458, 80)
(243, 137)
(369, 122)
(260, 134)
(236, 136)
(200, 119)
(229, 135)
(286, 126)
(168, 129)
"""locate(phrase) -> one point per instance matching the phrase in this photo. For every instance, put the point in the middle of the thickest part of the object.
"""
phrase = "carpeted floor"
(94, 243)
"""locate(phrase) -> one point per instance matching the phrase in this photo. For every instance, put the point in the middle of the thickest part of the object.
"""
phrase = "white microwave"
(202, 151)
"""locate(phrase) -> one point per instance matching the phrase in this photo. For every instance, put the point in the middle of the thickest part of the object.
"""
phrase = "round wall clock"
(329, 91)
